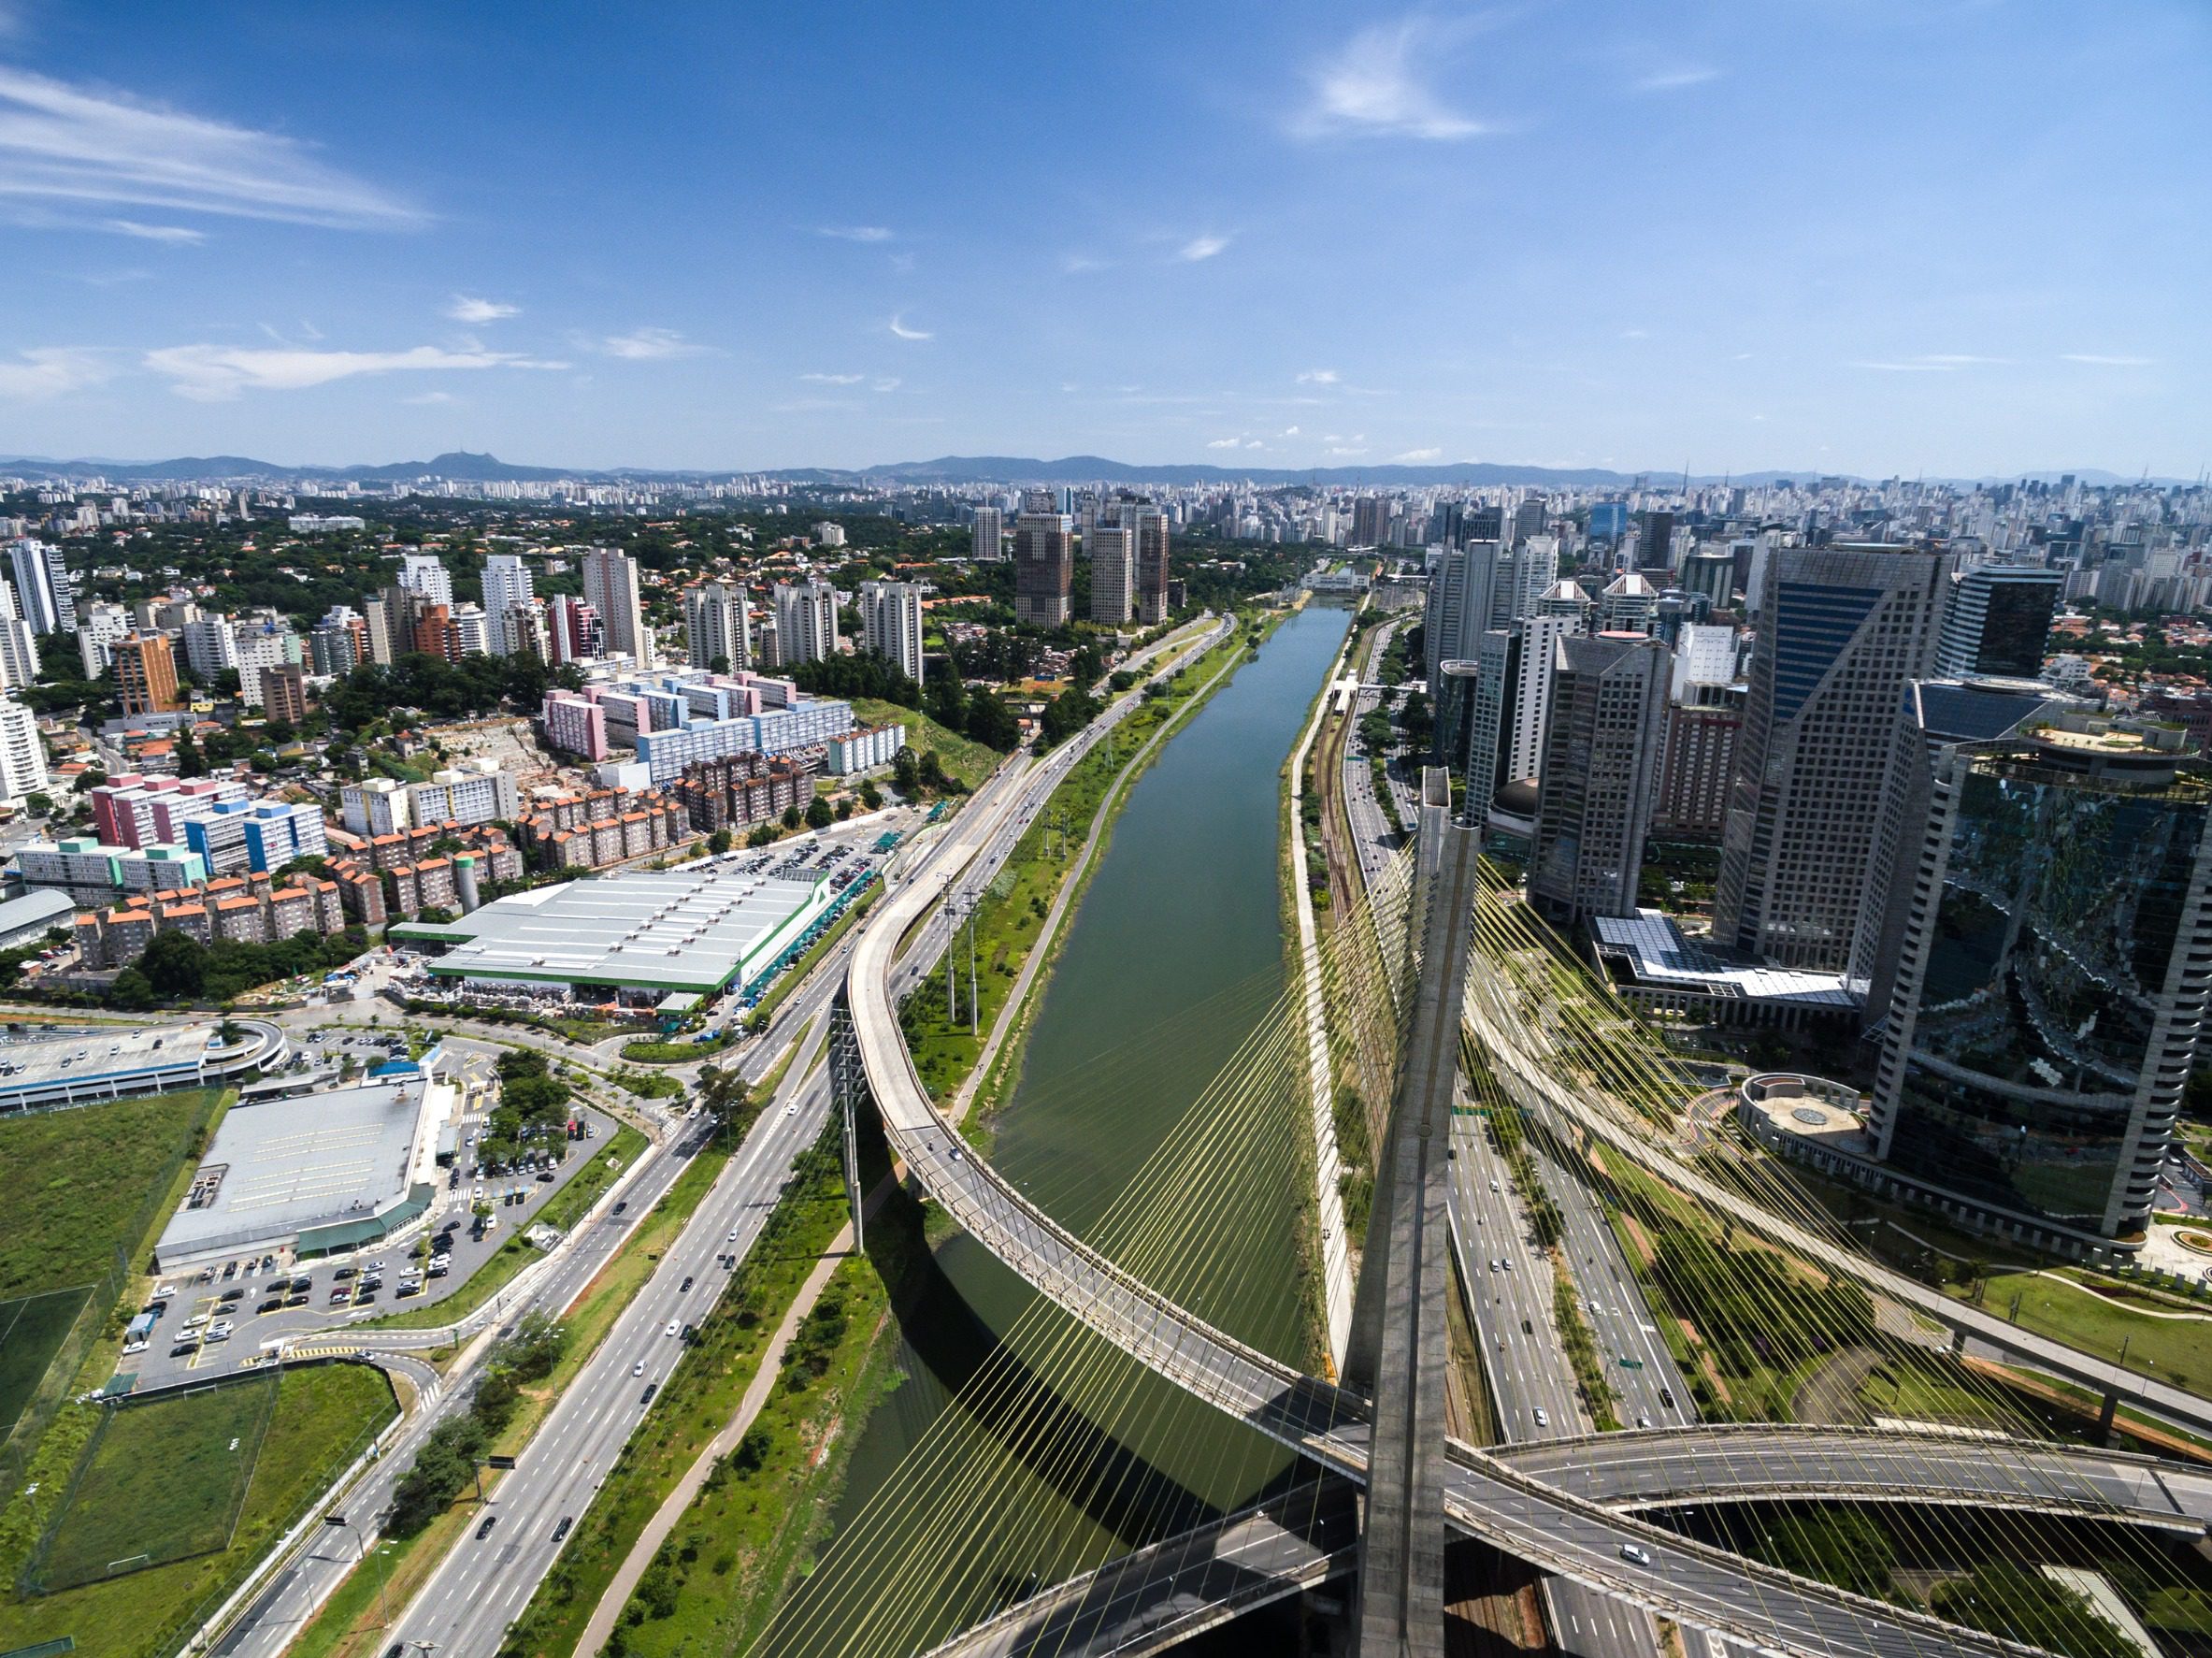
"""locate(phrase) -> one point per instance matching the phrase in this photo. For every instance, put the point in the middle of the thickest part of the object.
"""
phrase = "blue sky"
(1855, 235)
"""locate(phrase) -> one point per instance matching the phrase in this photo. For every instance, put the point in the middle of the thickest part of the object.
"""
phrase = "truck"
(140, 1327)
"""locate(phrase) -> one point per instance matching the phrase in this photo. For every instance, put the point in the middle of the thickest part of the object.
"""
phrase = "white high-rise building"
(210, 645)
(507, 586)
(102, 625)
(42, 587)
(22, 755)
(718, 624)
(18, 646)
(472, 627)
(891, 624)
(806, 622)
(990, 525)
(611, 588)
(256, 648)
(421, 572)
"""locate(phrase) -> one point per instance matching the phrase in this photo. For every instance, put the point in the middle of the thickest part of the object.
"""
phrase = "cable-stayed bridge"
(1507, 1033)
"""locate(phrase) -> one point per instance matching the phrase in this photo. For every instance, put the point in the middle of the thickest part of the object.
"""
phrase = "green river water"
(1172, 957)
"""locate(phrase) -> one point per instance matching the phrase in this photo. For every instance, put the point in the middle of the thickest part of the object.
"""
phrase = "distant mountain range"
(461, 466)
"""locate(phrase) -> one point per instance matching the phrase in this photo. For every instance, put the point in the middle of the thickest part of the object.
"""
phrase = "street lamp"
(361, 1558)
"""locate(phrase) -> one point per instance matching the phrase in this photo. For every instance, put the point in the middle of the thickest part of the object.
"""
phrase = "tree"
(719, 841)
(871, 797)
(819, 815)
(792, 816)
(845, 807)
(932, 771)
(991, 722)
(132, 990)
(905, 776)
(88, 780)
(39, 806)
(175, 964)
(190, 761)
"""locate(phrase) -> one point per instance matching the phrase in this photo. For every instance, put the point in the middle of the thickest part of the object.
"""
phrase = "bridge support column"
(1398, 1348)
(2105, 1417)
(848, 1092)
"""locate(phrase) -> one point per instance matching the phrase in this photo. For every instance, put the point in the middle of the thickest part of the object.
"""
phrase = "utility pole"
(974, 904)
(952, 1011)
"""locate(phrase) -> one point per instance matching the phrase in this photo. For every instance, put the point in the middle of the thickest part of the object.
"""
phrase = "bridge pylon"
(848, 1094)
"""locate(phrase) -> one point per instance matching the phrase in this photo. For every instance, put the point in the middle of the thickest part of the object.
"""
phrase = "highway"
(1666, 1573)
(485, 1582)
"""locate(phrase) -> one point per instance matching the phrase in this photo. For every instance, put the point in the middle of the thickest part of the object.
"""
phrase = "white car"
(1632, 1552)
(1542, 1421)
(792, 1109)
(674, 1325)
(639, 1368)
(733, 1236)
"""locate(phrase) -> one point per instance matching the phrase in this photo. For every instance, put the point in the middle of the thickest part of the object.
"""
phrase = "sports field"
(31, 1327)
(160, 1483)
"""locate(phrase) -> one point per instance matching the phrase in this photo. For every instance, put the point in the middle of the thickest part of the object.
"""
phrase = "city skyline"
(1320, 239)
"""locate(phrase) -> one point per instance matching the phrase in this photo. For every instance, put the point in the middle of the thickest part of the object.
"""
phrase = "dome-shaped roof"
(1517, 798)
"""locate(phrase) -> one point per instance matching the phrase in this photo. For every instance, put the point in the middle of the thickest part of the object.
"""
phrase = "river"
(1171, 959)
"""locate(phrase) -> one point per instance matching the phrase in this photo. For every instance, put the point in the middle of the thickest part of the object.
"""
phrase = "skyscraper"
(42, 587)
(1655, 541)
(1043, 565)
(572, 629)
(507, 587)
(1114, 575)
(1842, 630)
(19, 646)
(806, 622)
(990, 524)
(1602, 755)
(1997, 621)
(22, 755)
(611, 587)
(1151, 531)
(422, 572)
(146, 674)
(891, 624)
(1371, 520)
(718, 626)
(2050, 986)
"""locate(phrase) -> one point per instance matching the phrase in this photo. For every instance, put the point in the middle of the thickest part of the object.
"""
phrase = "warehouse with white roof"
(644, 936)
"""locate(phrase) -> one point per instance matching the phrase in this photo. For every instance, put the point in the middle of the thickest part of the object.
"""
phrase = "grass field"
(2179, 1350)
(67, 1210)
(162, 1482)
(316, 1428)
(970, 762)
(31, 1327)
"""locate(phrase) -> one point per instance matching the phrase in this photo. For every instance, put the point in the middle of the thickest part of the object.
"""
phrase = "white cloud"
(1201, 247)
(1371, 88)
(897, 325)
(468, 307)
(1077, 264)
(652, 345)
(890, 383)
(176, 235)
(858, 233)
(2100, 360)
(1290, 431)
(1227, 444)
(1676, 80)
(432, 398)
(1318, 377)
(1255, 444)
(1930, 363)
(213, 373)
(61, 144)
(1635, 334)
(1420, 455)
(835, 378)
(50, 371)
(1344, 449)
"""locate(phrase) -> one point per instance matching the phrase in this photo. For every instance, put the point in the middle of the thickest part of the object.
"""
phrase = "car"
(1644, 1422)
(344, 1272)
(650, 1389)
(195, 1322)
(682, 1287)
(484, 1530)
(406, 1289)
(1542, 1420)
(274, 1304)
(674, 1325)
(230, 1271)
(132, 1346)
(733, 1236)
(300, 1299)
(233, 1295)
(184, 1349)
(1631, 1552)
(1667, 1397)
(1493, 1186)
(223, 1325)
(300, 1284)
(639, 1368)
(620, 1206)
(215, 1336)
(561, 1530)
(1528, 1327)
(792, 1109)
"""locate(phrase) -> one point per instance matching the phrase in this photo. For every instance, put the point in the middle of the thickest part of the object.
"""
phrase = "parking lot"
(223, 1316)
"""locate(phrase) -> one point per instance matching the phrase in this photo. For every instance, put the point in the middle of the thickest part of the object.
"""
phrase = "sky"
(1881, 237)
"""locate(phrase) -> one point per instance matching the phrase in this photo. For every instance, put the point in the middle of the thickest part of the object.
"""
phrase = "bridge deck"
(1483, 1497)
